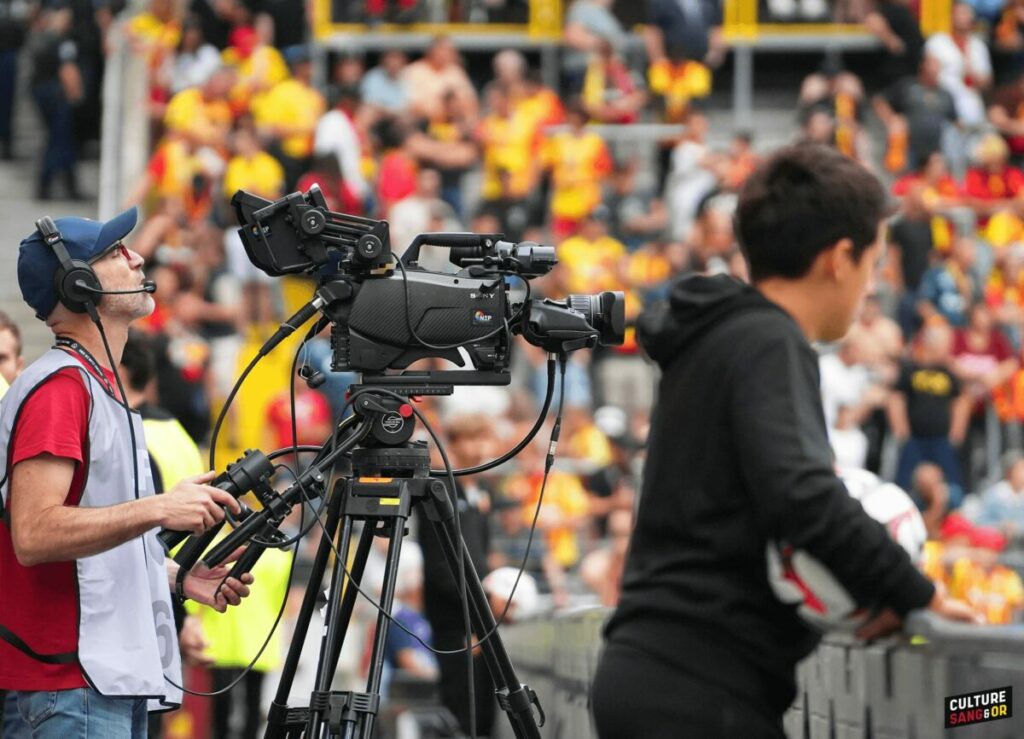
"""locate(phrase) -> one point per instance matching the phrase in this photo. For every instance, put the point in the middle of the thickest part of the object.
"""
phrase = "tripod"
(388, 481)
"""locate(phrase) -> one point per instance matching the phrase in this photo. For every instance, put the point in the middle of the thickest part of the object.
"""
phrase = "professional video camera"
(384, 314)
(385, 319)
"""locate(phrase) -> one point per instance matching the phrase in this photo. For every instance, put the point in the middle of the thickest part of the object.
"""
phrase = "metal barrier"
(891, 689)
(124, 141)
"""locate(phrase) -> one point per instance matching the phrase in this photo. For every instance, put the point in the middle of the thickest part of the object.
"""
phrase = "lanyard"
(73, 346)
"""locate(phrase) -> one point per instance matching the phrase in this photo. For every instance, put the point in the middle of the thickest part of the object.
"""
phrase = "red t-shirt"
(312, 411)
(40, 603)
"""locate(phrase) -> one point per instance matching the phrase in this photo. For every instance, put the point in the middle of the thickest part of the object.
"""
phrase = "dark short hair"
(7, 324)
(799, 203)
(138, 361)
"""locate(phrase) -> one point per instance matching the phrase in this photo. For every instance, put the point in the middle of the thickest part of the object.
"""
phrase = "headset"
(75, 281)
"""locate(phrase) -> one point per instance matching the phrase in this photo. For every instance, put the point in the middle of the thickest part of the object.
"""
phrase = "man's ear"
(839, 259)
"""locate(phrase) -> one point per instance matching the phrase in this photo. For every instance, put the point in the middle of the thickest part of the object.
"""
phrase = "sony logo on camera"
(979, 707)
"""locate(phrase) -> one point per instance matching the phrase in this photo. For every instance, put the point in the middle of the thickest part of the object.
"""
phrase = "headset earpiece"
(72, 296)
(76, 297)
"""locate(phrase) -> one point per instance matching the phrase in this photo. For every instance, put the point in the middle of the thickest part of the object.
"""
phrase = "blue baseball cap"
(85, 240)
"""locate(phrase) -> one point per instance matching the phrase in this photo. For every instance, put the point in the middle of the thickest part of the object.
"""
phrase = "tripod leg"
(279, 708)
(380, 637)
(515, 699)
(348, 599)
(324, 676)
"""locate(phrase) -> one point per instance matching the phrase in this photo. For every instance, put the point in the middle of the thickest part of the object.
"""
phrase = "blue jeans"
(62, 714)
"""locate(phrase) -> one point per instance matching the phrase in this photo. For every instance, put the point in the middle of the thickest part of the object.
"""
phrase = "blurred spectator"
(897, 27)
(613, 486)
(992, 185)
(983, 360)
(578, 159)
(611, 94)
(840, 95)
(850, 396)
(933, 496)
(323, 172)
(439, 71)
(509, 144)
(684, 41)
(193, 62)
(337, 135)
(591, 260)
(257, 64)
(920, 118)
(928, 409)
(413, 214)
(1008, 38)
(14, 19)
(446, 143)
(588, 23)
(310, 414)
(965, 66)
(57, 86)
(691, 178)
(950, 288)
(911, 239)
(289, 113)
(1002, 505)
(11, 360)
(396, 177)
(252, 169)
(383, 86)
(202, 114)
(1006, 113)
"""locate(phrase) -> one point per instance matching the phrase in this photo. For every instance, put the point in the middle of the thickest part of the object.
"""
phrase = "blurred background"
(619, 132)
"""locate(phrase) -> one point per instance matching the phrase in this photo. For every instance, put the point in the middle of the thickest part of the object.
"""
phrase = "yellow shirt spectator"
(158, 37)
(509, 144)
(259, 174)
(202, 121)
(290, 111)
(578, 162)
(591, 265)
(565, 500)
(257, 73)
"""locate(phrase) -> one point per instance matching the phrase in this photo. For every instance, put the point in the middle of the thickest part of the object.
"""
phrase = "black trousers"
(635, 695)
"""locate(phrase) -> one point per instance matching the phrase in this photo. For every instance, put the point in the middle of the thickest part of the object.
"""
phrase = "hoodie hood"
(696, 303)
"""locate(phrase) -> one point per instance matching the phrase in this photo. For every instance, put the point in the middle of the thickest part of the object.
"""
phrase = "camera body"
(374, 330)
(385, 319)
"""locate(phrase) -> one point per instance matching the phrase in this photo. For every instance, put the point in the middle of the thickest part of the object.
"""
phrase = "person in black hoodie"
(738, 457)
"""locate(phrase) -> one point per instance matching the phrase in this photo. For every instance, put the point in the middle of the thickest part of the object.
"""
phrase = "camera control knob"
(313, 222)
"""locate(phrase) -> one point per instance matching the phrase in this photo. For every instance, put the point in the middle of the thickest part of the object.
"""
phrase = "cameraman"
(86, 632)
(739, 457)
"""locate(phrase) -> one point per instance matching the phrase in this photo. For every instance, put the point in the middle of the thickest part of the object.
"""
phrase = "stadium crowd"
(927, 389)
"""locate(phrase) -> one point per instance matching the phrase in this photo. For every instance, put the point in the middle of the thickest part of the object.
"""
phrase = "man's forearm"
(61, 533)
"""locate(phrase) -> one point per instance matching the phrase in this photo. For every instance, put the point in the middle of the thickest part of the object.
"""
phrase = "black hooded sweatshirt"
(738, 456)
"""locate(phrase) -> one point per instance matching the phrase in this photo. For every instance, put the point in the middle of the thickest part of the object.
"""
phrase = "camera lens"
(605, 312)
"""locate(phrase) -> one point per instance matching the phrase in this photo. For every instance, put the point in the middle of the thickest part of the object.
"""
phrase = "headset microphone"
(147, 287)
